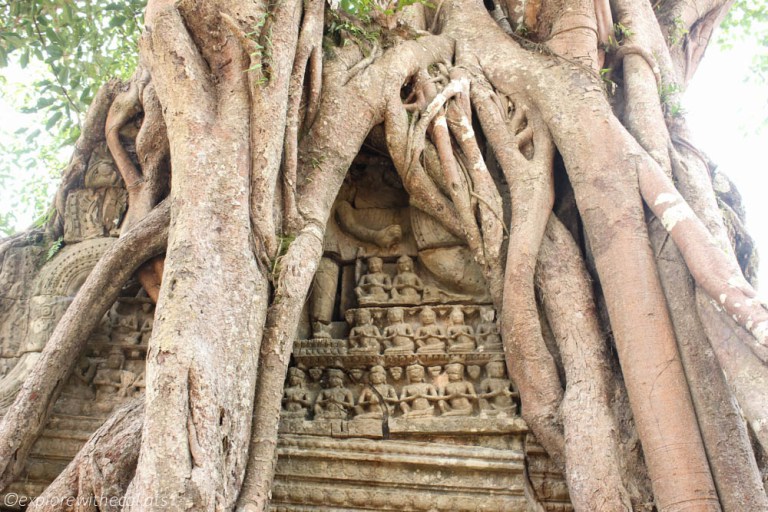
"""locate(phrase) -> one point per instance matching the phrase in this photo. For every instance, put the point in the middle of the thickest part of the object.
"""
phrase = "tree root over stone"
(255, 167)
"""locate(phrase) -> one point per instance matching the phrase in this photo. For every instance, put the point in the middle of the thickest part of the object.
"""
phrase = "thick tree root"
(213, 302)
(297, 271)
(724, 434)
(98, 476)
(591, 432)
(308, 60)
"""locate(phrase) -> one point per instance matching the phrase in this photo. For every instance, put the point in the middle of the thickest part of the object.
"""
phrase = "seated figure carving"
(494, 391)
(488, 337)
(398, 335)
(336, 401)
(374, 286)
(430, 337)
(458, 394)
(417, 397)
(461, 337)
(364, 337)
(112, 381)
(369, 404)
(296, 397)
(407, 286)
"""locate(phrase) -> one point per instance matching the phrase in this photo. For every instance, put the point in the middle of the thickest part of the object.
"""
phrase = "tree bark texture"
(251, 114)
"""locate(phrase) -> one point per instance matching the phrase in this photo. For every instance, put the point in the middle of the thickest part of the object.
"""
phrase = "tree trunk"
(252, 115)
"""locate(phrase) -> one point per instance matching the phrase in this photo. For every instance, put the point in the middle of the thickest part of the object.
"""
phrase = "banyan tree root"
(196, 429)
(513, 131)
(303, 255)
(590, 430)
(723, 431)
(98, 476)
(718, 275)
(26, 418)
(309, 61)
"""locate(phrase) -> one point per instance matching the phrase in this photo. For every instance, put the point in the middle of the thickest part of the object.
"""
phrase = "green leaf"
(53, 120)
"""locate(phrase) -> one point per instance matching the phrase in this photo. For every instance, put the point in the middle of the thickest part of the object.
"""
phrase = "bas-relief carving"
(400, 359)
(405, 351)
(401, 383)
(17, 272)
(96, 210)
(93, 213)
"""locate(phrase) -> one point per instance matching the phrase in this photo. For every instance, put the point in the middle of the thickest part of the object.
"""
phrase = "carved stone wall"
(397, 396)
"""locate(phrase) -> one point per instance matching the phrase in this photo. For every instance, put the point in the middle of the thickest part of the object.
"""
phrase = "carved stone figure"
(461, 337)
(369, 403)
(364, 337)
(374, 286)
(45, 313)
(488, 337)
(407, 286)
(112, 382)
(93, 213)
(125, 326)
(101, 171)
(396, 372)
(430, 337)
(494, 391)
(434, 372)
(139, 385)
(459, 394)
(316, 374)
(398, 335)
(336, 401)
(417, 397)
(323, 297)
(296, 397)
(81, 382)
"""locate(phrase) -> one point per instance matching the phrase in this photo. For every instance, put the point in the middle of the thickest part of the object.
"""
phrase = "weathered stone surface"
(397, 397)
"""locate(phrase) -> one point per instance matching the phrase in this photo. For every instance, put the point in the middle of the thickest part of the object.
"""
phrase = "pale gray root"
(725, 437)
(509, 130)
(746, 374)
(308, 59)
(201, 366)
(98, 476)
(591, 432)
(458, 187)
(269, 84)
(26, 418)
(422, 190)
(488, 199)
(297, 269)
(318, 187)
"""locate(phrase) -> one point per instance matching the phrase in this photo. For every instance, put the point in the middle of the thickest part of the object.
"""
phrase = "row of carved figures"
(400, 337)
(377, 287)
(449, 396)
(98, 387)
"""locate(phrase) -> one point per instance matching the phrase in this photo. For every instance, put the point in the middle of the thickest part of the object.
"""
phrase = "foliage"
(61, 51)
(54, 248)
(748, 20)
(669, 97)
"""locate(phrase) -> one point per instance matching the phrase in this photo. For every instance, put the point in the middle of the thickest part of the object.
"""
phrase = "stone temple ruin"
(397, 397)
